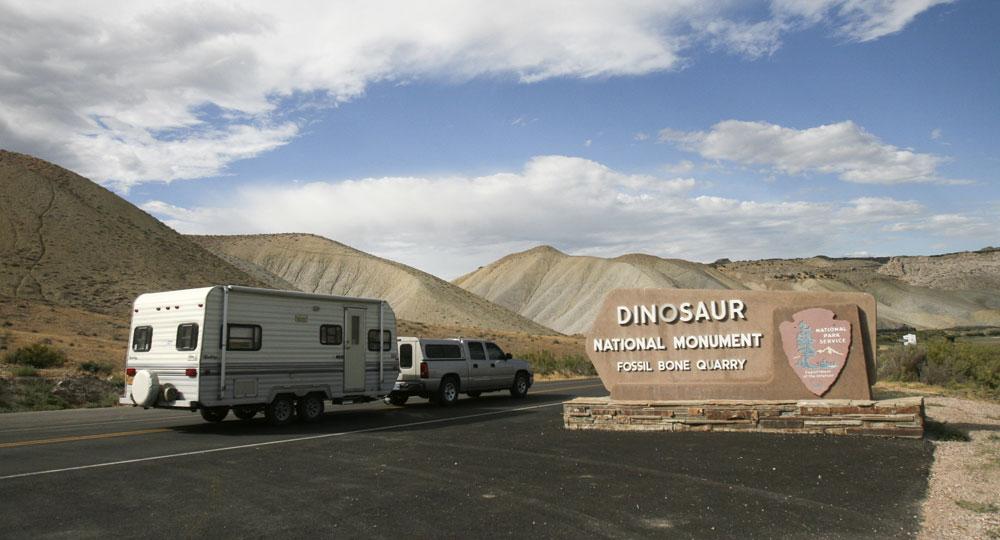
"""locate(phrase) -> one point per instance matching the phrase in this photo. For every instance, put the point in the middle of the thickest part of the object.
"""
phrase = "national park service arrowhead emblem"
(816, 346)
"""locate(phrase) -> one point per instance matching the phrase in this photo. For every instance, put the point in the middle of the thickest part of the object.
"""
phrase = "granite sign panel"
(670, 344)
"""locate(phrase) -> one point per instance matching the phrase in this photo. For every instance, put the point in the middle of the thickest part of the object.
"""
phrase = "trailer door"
(354, 350)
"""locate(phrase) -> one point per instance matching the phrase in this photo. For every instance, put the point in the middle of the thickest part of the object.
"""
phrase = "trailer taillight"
(191, 372)
(130, 372)
(424, 372)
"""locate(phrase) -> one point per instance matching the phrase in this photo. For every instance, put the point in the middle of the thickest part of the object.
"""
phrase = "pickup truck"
(441, 369)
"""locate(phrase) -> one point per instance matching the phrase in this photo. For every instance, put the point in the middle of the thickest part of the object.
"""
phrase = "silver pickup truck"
(441, 369)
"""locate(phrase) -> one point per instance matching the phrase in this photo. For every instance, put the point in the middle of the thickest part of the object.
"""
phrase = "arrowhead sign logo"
(816, 346)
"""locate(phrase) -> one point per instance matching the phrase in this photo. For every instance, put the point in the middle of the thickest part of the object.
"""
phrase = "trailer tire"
(520, 387)
(246, 412)
(448, 391)
(310, 408)
(396, 399)
(214, 414)
(280, 412)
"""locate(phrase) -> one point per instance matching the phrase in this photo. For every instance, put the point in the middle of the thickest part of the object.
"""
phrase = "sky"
(445, 135)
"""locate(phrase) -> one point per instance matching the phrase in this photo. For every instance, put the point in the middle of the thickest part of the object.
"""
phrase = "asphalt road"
(493, 466)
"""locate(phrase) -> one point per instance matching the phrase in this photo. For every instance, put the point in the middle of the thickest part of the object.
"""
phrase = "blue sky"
(448, 137)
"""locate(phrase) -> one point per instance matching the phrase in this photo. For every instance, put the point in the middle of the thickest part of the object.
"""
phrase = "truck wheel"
(214, 414)
(474, 394)
(520, 387)
(310, 408)
(279, 412)
(448, 391)
(245, 412)
(396, 399)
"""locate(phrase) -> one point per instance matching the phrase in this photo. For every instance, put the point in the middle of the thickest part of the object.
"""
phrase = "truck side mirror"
(508, 356)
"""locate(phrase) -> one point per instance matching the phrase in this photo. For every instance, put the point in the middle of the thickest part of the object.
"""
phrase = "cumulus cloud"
(450, 225)
(138, 91)
(844, 149)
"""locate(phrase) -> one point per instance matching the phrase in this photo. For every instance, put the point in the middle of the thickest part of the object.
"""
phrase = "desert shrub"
(97, 368)
(37, 355)
(944, 362)
(902, 363)
(25, 371)
(546, 363)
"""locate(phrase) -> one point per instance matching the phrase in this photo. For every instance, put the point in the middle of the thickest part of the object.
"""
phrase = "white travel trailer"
(285, 352)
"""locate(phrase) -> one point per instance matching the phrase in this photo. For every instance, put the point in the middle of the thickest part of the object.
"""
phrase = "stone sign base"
(889, 418)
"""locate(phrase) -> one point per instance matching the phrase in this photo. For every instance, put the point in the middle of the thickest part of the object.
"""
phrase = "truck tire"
(520, 387)
(245, 412)
(448, 391)
(214, 414)
(310, 408)
(280, 412)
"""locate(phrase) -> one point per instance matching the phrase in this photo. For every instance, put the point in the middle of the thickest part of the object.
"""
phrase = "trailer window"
(187, 337)
(373, 340)
(142, 338)
(243, 337)
(331, 334)
(442, 351)
(406, 355)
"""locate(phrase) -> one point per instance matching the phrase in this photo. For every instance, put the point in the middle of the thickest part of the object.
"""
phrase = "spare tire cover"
(145, 388)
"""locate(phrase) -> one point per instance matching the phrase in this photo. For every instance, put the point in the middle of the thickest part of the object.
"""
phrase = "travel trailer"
(250, 350)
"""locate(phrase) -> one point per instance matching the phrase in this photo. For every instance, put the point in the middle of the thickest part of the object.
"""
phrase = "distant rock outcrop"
(316, 264)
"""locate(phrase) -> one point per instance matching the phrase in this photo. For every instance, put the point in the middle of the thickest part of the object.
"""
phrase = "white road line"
(272, 443)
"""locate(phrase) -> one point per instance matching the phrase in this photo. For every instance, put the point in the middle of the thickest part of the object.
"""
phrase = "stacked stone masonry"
(888, 418)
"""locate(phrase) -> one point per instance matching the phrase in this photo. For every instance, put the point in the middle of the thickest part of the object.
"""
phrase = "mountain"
(66, 241)
(564, 292)
(316, 264)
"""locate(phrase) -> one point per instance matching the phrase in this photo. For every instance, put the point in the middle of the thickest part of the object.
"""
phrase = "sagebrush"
(944, 362)
(37, 355)
(546, 363)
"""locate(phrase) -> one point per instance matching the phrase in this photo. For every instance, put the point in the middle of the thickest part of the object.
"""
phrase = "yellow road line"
(83, 437)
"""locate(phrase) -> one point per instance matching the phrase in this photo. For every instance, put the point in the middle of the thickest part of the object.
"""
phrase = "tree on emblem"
(805, 345)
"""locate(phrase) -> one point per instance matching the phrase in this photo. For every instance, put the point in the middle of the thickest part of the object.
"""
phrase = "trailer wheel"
(310, 408)
(520, 387)
(448, 391)
(396, 399)
(245, 412)
(281, 411)
(214, 414)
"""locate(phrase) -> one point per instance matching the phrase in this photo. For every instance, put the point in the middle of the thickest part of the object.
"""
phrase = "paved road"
(493, 466)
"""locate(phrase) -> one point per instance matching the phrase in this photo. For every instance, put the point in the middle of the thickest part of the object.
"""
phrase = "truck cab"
(441, 369)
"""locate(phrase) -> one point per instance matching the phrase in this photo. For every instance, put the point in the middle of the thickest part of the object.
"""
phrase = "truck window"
(373, 340)
(476, 351)
(442, 351)
(187, 337)
(243, 337)
(406, 355)
(331, 334)
(142, 338)
(494, 352)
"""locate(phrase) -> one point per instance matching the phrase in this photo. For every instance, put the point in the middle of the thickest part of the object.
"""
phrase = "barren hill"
(65, 240)
(316, 264)
(564, 292)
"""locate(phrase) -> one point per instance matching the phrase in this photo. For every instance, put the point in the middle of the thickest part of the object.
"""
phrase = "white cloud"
(450, 225)
(126, 92)
(640, 136)
(844, 149)
(858, 20)
(947, 225)
(936, 134)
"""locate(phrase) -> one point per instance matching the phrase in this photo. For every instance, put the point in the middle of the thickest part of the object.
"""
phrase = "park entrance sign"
(724, 360)
(661, 344)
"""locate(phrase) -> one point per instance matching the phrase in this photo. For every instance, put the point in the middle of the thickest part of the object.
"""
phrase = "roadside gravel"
(963, 499)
